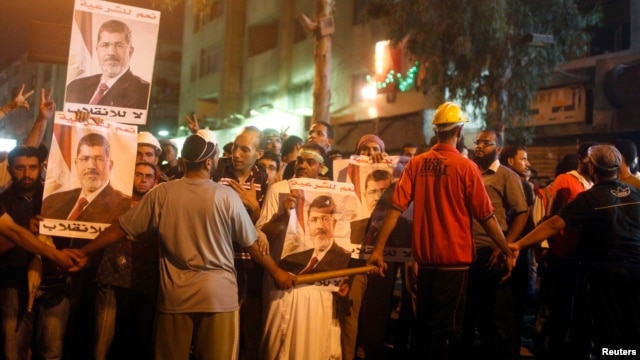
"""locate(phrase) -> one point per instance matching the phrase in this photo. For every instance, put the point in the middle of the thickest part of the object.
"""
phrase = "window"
(210, 60)
(263, 38)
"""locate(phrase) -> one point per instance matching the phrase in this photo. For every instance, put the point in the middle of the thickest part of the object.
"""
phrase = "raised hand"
(20, 100)
(47, 106)
(192, 122)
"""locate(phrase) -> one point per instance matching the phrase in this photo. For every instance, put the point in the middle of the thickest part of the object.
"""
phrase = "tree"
(476, 51)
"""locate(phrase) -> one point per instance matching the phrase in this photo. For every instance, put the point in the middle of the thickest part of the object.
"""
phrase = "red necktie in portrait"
(82, 202)
(99, 94)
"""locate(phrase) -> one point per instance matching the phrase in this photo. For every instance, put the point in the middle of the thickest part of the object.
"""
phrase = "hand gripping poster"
(317, 238)
(89, 176)
(111, 60)
(373, 185)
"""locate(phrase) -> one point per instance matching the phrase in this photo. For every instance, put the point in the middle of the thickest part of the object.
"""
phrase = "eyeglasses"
(484, 142)
(274, 141)
(117, 45)
(144, 176)
(324, 219)
(375, 192)
(98, 159)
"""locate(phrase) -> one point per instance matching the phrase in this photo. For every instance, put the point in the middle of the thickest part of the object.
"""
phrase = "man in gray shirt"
(196, 221)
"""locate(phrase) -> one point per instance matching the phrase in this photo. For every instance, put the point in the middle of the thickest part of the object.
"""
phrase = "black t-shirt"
(609, 214)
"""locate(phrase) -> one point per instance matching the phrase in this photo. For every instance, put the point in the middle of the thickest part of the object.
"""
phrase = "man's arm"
(47, 109)
(26, 240)
(543, 231)
(388, 224)
(492, 228)
(283, 279)
(19, 101)
(112, 234)
(516, 227)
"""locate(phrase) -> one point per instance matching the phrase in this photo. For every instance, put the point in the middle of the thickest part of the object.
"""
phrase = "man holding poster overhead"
(116, 85)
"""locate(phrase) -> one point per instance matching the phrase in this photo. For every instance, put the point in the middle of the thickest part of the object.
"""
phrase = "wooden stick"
(313, 277)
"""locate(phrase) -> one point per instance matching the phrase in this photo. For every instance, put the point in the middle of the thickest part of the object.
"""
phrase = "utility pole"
(322, 28)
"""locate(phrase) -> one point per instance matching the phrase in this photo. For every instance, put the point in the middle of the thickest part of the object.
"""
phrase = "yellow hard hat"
(448, 114)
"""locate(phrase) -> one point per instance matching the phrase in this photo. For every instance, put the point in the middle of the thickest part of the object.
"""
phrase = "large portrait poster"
(373, 182)
(111, 60)
(89, 176)
(317, 238)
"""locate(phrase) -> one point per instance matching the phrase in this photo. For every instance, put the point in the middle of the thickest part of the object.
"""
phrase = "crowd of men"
(192, 265)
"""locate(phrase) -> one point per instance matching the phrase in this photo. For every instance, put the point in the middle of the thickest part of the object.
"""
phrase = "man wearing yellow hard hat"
(448, 192)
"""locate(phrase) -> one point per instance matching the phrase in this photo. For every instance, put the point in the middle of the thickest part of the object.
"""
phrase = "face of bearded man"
(486, 150)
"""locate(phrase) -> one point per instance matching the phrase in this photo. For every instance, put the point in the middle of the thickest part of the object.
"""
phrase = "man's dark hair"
(228, 147)
(497, 134)
(627, 149)
(377, 175)
(23, 150)
(444, 135)
(583, 149)
(410, 145)
(330, 132)
(95, 139)
(322, 202)
(510, 151)
(290, 144)
(333, 153)
(270, 155)
(262, 141)
(567, 163)
(115, 26)
(146, 163)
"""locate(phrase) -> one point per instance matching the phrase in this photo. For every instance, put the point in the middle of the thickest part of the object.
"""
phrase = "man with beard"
(127, 287)
(51, 308)
(96, 200)
(490, 303)
(116, 86)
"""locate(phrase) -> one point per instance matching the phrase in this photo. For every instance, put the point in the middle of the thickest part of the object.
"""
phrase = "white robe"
(301, 323)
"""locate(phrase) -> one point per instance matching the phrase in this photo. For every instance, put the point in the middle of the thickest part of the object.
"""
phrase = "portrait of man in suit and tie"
(326, 254)
(96, 200)
(116, 85)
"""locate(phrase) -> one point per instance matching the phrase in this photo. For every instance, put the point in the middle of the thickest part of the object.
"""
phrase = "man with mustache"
(326, 253)
(116, 85)
(96, 200)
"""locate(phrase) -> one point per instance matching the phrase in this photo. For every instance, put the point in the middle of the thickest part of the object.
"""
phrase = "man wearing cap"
(197, 301)
(608, 250)
(273, 141)
(447, 192)
(149, 150)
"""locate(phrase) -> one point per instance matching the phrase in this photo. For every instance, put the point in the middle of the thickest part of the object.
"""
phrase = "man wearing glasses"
(326, 254)
(116, 85)
(96, 200)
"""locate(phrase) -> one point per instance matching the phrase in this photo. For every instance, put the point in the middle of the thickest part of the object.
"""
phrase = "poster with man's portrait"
(111, 60)
(317, 238)
(89, 176)
(372, 183)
